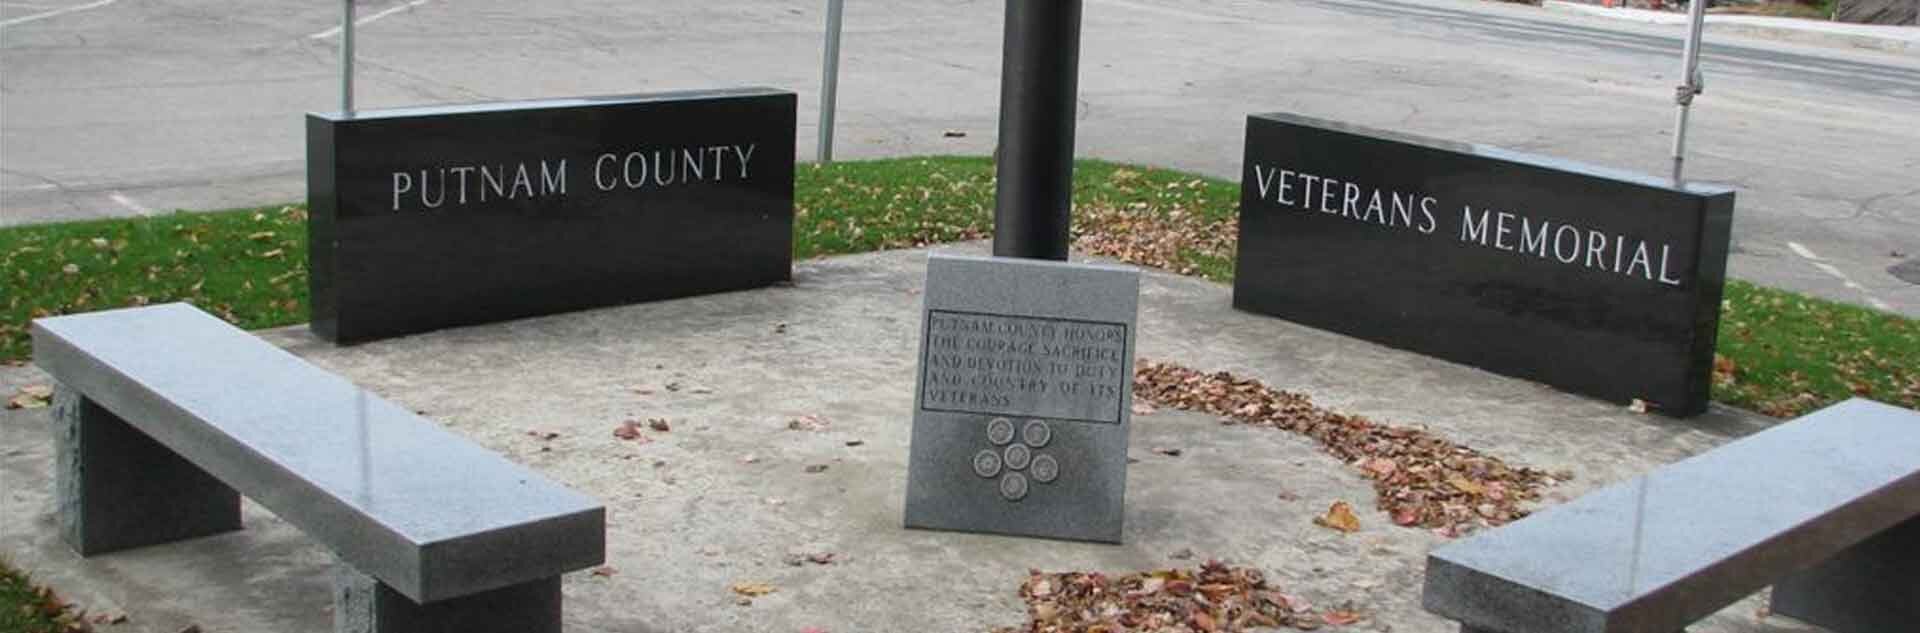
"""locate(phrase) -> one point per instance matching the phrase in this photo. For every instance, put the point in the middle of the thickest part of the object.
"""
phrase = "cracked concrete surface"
(173, 105)
(724, 496)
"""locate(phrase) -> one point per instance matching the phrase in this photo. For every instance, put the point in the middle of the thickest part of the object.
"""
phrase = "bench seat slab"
(1869, 588)
(430, 513)
(1663, 550)
(118, 489)
(363, 604)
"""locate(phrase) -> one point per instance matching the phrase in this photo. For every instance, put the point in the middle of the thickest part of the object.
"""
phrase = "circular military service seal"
(1013, 487)
(1037, 433)
(1017, 456)
(1044, 469)
(1000, 431)
(986, 463)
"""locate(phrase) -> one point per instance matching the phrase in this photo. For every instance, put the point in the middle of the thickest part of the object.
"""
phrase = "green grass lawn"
(1780, 353)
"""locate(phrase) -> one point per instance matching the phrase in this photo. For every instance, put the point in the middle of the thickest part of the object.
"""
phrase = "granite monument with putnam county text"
(1023, 402)
(1596, 281)
(433, 217)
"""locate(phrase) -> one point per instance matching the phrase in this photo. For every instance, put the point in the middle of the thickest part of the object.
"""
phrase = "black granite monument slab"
(1023, 401)
(425, 218)
(1596, 281)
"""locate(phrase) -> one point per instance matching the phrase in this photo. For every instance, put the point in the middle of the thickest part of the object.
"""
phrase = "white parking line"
(1802, 251)
(1836, 273)
(47, 14)
(362, 21)
(130, 204)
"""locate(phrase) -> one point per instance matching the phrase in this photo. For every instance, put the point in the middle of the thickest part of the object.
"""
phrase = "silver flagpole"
(1691, 83)
(346, 57)
(829, 80)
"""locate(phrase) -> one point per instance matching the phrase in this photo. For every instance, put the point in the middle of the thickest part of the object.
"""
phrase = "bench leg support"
(362, 604)
(118, 489)
(1867, 588)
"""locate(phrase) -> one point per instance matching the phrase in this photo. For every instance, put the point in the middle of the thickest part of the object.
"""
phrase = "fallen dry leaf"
(1465, 485)
(604, 571)
(659, 424)
(630, 431)
(1339, 517)
(807, 422)
(31, 397)
(817, 558)
(1341, 618)
(1169, 452)
(752, 589)
(1380, 466)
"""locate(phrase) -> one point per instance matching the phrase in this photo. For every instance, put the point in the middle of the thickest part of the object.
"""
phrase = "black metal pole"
(1039, 86)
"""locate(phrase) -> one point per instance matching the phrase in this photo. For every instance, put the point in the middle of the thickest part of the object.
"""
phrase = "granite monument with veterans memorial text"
(1593, 280)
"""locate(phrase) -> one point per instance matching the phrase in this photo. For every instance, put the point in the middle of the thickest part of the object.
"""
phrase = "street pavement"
(120, 107)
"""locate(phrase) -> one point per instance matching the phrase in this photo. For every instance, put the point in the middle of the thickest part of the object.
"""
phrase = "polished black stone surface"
(1596, 281)
(425, 218)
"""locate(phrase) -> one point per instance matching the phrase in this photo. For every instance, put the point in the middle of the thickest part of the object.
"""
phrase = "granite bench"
(1826, 508)
(165, 416)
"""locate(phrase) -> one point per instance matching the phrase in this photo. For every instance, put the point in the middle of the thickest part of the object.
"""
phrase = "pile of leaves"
(1216, 598)
(1185, 226)
(1420, 479)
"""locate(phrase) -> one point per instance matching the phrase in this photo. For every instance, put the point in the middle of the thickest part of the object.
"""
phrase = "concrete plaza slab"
(731, 492)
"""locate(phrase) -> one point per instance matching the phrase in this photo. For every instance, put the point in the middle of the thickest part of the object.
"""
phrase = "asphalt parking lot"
(118, 107)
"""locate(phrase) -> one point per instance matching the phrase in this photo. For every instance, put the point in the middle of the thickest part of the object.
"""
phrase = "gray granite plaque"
(1021, 410)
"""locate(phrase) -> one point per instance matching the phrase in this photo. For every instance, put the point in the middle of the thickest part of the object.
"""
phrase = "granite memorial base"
(425, 218)
(1023, 400)
(1873, 586)
(1596, 281)
(117, 489)
(363, 604)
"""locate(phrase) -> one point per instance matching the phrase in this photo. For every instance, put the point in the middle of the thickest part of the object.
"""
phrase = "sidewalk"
(1888, 38)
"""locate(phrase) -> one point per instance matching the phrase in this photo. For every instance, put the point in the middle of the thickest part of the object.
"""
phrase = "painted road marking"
(1802, 251)
(48, 14)
(363, 21)
(1836, 273)
(130, 204)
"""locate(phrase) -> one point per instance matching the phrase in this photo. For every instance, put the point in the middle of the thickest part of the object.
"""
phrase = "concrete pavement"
(725, 496)
(116, 108)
